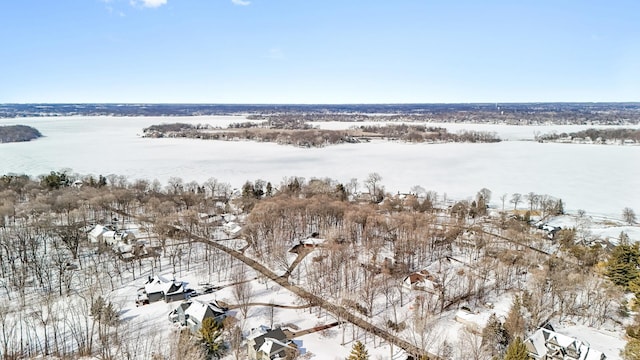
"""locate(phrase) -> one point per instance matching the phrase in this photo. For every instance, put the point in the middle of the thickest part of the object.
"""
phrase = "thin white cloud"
(275, 54)
(241, 2)
(148, 3)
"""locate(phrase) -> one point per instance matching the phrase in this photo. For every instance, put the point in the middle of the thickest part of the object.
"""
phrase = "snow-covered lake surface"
(601, 179)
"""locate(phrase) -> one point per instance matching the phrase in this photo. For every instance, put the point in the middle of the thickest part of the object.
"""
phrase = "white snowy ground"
(152, 324)
(605, 228)
(151, 321)
(605, 340)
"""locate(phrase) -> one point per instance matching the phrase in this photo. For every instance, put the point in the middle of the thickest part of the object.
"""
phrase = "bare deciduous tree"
(515, 200)
(628, 215)
(242, 291)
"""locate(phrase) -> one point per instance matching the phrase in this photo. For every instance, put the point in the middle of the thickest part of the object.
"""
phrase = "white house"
(113, 237)
(232, 229)
(193, 313)
(96, 234)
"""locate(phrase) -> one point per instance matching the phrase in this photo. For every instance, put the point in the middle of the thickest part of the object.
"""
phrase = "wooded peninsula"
(18, 133)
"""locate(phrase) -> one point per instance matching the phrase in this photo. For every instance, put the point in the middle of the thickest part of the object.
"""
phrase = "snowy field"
(597, 178)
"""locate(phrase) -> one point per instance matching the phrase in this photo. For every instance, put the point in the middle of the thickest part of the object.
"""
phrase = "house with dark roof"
(421, 280)
(269, 345)
(158, 288)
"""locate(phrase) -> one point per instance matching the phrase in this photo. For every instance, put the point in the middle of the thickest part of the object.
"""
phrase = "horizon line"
(319, 103)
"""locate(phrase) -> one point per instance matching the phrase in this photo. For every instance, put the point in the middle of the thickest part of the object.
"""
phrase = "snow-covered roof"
(232, 228)
(160, 284)
(97, 231)
(229, 217)
(257, 332)
(272, 335)
(547, 342)
(272, 346)
(313, 241)
(200, 310)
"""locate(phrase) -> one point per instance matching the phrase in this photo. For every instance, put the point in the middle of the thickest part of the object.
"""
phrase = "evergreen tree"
(623, 265)
(211, 332)
(358, 352)
(516, 350)
(631, 350)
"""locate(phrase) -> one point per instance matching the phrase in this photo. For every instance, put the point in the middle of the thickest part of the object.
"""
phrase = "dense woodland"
(56, 284)
(18, 133)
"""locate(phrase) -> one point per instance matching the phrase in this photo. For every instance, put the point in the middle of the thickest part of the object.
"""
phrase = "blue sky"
(312, 51)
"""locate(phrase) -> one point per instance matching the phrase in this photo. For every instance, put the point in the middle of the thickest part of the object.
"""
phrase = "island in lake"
(299, 133)
(18, 133)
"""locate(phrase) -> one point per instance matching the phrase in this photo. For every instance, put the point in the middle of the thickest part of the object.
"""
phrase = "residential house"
(312, 241)
(232, 229)
(546, 344)
(133, 251)
(268, 345)
(112, 237)
(471, 321)
(158, 288)
(192, 313)
(421, 280)
(96, 234)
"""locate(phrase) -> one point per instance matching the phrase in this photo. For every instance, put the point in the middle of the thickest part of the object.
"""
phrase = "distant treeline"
(301, 134)
(599, 135)
(18, 133)
(420, 133)
(509, 113)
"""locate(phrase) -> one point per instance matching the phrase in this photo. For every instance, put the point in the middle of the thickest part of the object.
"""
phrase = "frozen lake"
(600, 179)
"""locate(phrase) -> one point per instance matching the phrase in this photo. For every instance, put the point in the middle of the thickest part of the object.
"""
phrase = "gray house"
(158, 288)
(192, 313)
(272, 344)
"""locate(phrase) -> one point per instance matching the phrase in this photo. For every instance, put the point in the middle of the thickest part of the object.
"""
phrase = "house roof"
(199, 310)
(109, 234)
(422, 278)
(232, 227)
(259, 331)
(160, 284)
(314, 241)
(272, 346)
(273, 335)
(536, 345)
(97, 231)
